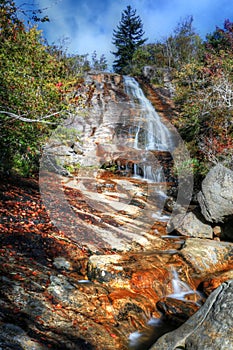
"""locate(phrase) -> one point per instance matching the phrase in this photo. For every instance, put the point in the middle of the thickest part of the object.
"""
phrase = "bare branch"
(29, 120)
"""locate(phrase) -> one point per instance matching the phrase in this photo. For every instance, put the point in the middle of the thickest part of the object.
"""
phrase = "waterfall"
(180, 288)
(147, 133)
(150, 132)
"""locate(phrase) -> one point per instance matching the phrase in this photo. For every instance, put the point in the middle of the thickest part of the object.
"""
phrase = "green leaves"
(34, 85)
(204, 97)
(127, 39)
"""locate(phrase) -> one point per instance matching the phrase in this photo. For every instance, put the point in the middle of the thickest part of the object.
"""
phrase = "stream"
(150, 134)
(113, 206)
(89, 255)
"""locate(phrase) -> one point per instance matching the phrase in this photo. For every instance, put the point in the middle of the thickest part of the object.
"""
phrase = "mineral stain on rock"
(98, 265)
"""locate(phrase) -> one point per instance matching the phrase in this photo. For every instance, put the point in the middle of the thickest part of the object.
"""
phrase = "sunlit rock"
(214, 281)
(207, 256)
(215, 197)
(191, 226)
(105, 268)
(102, 268)
(120, 170)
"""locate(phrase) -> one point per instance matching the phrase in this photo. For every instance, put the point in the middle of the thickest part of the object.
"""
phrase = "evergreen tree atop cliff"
(127, 38)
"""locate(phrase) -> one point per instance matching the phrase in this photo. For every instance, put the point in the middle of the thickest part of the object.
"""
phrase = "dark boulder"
(209, 328)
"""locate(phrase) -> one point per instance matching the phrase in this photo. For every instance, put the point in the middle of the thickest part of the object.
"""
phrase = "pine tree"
(127, 39)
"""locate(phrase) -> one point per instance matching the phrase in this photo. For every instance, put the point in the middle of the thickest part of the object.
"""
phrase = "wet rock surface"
(175, 310)
(113, 270)
(210, 328)
(57, 295)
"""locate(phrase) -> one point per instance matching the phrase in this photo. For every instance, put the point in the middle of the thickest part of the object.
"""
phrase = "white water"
(133, 338)
(150, 132)
(180, 288)
(180, 291)
(147, 134)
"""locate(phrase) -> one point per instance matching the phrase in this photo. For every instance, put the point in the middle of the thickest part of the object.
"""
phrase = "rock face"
(216, 196)
(162, 75)
(210, 328)
(191, 226)
(13, 337)
(202, 255)
(112, 268)
(114, 178)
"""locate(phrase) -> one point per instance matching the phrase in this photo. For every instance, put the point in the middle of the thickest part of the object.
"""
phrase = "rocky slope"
(86, 274)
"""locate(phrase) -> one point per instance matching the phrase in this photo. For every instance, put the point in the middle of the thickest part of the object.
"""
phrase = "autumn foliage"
(200, 73)
(38, 84)
(35, 80)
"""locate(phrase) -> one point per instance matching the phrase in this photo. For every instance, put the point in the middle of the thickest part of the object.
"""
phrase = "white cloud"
(89, 24)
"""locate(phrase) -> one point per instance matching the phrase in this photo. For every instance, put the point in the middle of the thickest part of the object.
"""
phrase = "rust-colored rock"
(207, 256)
(175, 310)
(94, 283)
(213, 282)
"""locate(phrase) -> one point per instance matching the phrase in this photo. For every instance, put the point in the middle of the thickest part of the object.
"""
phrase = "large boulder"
(216, 195)
(209, 328)
(207, 256)
(191, 225)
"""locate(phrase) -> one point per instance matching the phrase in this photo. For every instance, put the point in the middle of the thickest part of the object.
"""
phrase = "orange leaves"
(26, 229)
(34, 273)
(17, 277)
(113, 335)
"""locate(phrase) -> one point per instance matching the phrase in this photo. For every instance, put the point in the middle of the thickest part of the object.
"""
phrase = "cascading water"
(156, 327)
(154, 133)
(180, 288)
(151, 134)
(148, 133)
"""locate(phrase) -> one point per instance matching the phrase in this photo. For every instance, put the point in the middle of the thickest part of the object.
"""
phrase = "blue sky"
(87, 25)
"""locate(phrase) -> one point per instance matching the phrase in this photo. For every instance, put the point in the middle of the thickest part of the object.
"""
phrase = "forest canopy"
(200, 73)
(37, 81)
